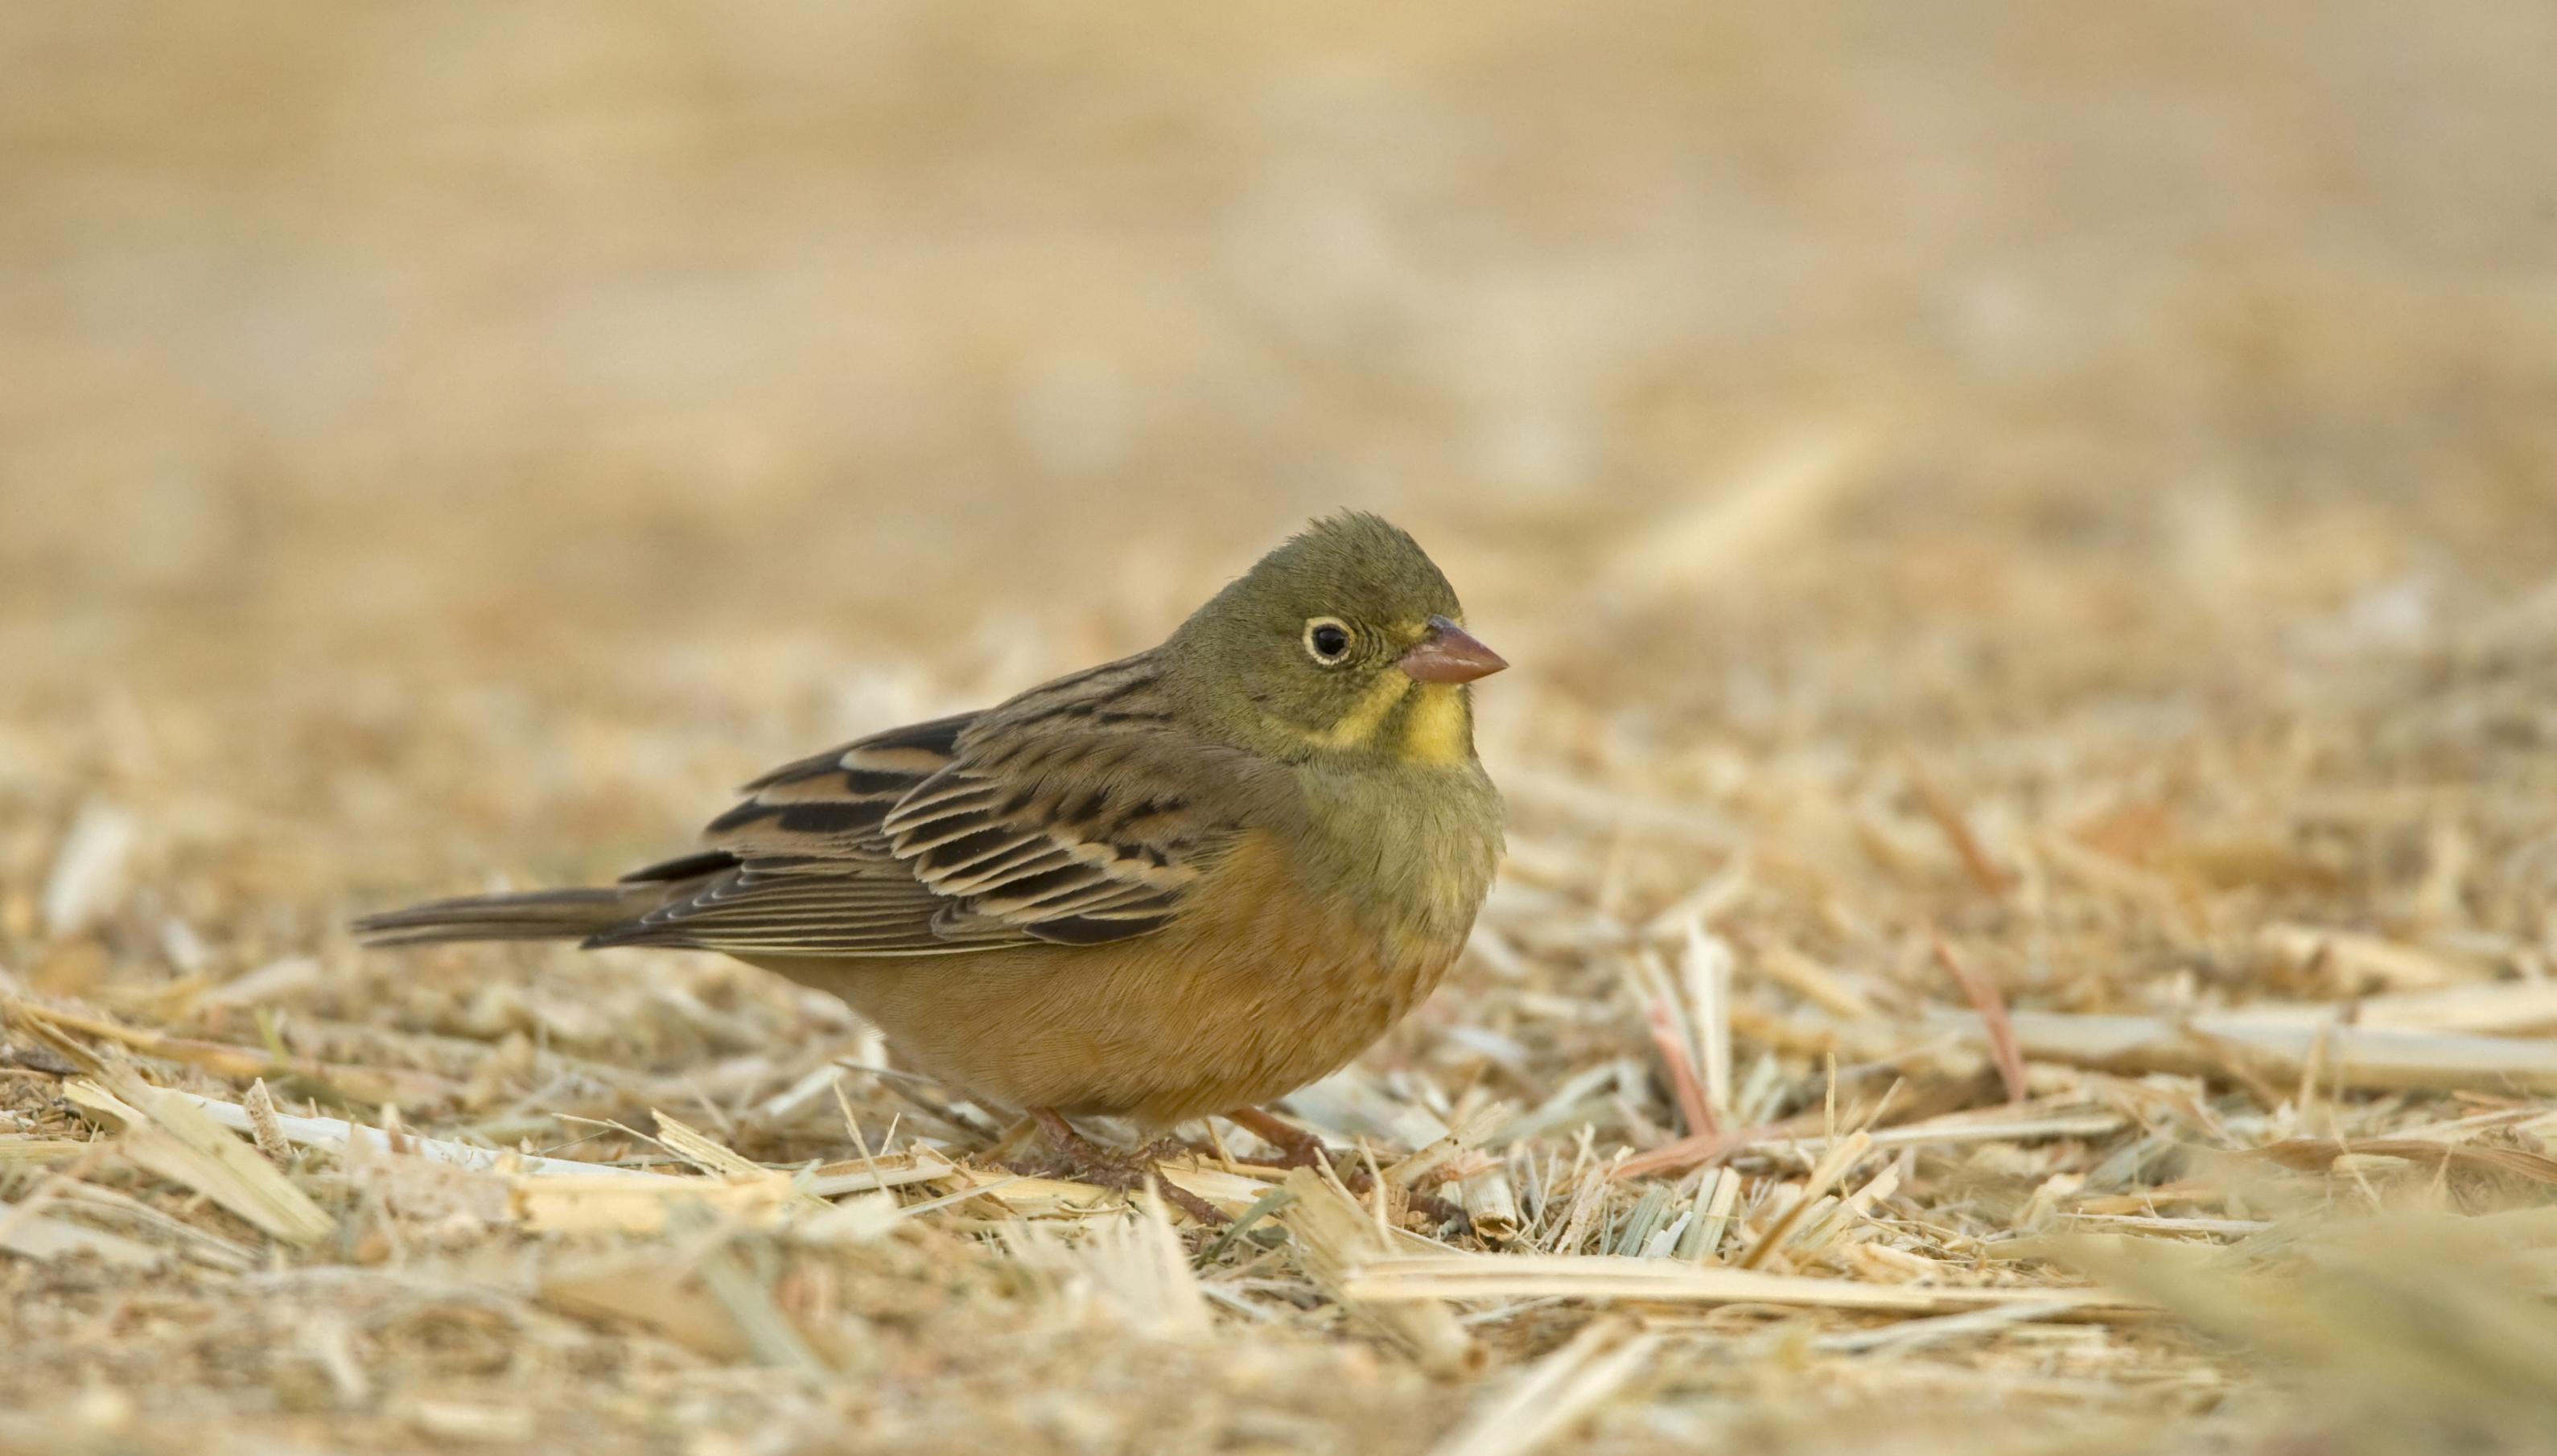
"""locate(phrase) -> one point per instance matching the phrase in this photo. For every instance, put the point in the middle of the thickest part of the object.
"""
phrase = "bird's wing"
(1076, 814)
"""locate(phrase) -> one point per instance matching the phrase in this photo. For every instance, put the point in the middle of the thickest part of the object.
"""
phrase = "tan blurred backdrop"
(595, 349)
(431, 310)
(716, 358)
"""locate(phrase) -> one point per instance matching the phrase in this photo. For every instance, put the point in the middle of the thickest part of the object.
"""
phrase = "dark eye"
(1328, 639)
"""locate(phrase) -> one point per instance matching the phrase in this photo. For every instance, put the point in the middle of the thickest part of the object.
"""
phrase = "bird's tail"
(567, 914)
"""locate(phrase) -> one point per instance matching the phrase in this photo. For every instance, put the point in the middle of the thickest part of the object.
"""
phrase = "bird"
(1180, 884)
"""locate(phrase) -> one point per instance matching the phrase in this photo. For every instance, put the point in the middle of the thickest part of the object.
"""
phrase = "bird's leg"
(1298, 1149)
(1126, 1172)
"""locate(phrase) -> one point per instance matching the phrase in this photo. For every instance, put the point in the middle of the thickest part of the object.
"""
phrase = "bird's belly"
(1229, 1008)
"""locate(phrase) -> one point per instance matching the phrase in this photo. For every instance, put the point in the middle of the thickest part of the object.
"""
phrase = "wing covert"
(1076, 814)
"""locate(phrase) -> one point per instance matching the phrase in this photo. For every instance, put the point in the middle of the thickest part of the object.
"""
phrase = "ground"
(2025, 537)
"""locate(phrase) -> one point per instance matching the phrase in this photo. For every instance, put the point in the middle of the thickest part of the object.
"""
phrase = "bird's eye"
(1327, 639)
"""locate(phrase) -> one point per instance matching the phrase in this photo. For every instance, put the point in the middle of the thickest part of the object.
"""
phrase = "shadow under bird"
(1180, 884)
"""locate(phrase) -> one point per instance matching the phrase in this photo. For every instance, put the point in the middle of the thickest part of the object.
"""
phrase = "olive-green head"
(1345, 640)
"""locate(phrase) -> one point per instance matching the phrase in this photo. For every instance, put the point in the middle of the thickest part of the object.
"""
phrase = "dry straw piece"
(1341, 1241)
(169, 1137)
(1659, 1281)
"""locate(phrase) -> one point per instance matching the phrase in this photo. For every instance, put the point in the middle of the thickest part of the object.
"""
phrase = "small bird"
(1179, 884)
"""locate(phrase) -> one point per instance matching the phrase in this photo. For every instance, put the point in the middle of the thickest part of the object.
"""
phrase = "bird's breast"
(1408, 853)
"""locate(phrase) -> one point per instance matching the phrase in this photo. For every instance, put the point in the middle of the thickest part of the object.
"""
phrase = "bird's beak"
(1450, 655)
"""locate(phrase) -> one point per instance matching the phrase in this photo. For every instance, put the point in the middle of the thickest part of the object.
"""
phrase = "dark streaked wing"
(1074, 814)
(830, 805)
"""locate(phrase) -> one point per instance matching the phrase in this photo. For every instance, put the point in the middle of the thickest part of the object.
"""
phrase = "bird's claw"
(1073, 1155)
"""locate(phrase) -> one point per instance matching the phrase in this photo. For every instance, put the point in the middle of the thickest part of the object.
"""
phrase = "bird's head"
(1346, 640)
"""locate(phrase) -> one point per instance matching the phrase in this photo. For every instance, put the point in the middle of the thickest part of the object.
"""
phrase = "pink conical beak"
(1450, 655)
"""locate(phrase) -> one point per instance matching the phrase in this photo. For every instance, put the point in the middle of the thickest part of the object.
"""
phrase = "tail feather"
(567, 914)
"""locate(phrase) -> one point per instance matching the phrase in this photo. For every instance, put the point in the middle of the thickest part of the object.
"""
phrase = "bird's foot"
(1071, 1154)
(1298, 1149)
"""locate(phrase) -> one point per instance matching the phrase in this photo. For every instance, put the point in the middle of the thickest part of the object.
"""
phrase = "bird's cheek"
(1358, 722)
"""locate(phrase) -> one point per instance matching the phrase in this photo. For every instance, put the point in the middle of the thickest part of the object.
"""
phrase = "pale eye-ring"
(1327, 640)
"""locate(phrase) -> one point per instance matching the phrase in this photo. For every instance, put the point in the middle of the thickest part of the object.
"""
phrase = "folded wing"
(1076, 814)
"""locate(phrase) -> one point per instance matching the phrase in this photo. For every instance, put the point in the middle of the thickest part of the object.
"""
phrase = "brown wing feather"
(1076, 814)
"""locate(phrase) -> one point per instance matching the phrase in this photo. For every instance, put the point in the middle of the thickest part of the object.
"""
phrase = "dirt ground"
(2027, 537)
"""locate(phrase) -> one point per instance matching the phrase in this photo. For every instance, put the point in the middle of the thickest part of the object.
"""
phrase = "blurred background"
(763, 375)
(416, 326)
(595, 352)
(444, 445)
